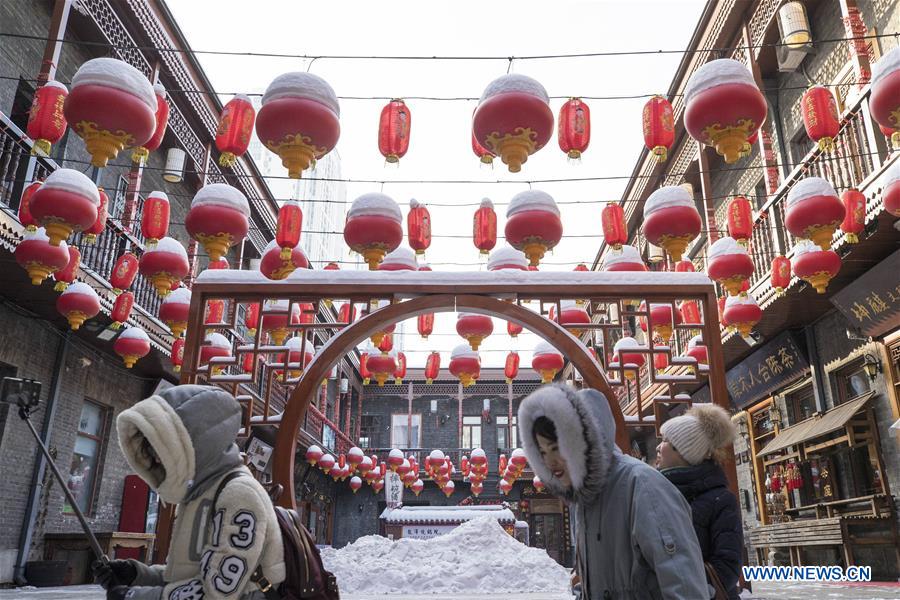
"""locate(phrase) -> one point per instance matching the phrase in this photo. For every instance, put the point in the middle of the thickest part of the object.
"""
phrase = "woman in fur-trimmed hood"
(634, 537)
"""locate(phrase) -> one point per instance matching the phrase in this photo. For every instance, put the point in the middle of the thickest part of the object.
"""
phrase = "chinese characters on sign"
(426, 532)
(771, 367)
(393, 489)
(872, 302)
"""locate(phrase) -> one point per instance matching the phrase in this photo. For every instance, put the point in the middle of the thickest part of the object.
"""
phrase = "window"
(89, 444)
(507, 438)
(328, 437)
(800, 146)
(5, 371)
(368, 431)
(850, 382)
(400, 437)
(471, 432)
(801, 404)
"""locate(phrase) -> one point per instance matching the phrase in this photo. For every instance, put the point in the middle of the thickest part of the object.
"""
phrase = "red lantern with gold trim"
(78, 303)
(690, 313)
(178, 354)
(884, 102)
(781, 273)
(465, 364)
(132, 345)
(122, 309)
(671, 220)
(483, 154)
(67, 274)
(141, 153)
(38, 257)
(662, 319)
(815, 266)
(571, 315)
(660, 361)
(814, 211)
(274, 266)
(547, 361)
(155, 217)
(347, 313)
(658, 122)
(891, 194)
(373, 227)
(251, 318)
(425, 325)
(513, 329)
(697, 349)
(855, 216)
(615, 233)
(215, 345)
(432, 367)
(393, 130)
(730, 264)
(165, 265)
(742, 313)
(400, 371)
(99, 225)
(124, 272)
(511, 368)
(574, 128)
(485, 227)
(296, 358)
(820, 117)
(740, 219)
(175, 310)
(234, 130)
(25, 216)
(218, 218)
(533, 224)
(289, 228)
(386, 344)
(631, 362)
(685, 266)
(418, 227)
(66, 203)
(215, 312)
(382, 367)
(46, 121)
(474, 328)
(364, 372)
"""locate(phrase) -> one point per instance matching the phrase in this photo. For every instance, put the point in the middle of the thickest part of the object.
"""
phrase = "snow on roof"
(887, 64)
(402, 255)
(446, 514)
(181, 295)
(117, 74)
(809, 188)
(507, 257)
(725, 246)
(464, 351)
(222, 194)
(302, 85)
(170, 245)
(667, 197)
(218, 340)
(514, 82)
(134, 333)
(743, 299)
(76, 182)
(377, 205)
(716, 73)
(892, 175)
(544, 348)
(628, 254)
(531, 200)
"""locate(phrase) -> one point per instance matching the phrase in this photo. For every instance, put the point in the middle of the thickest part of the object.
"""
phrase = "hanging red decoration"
(740, 220)
(215, 312)
(891, 193)
(382, 367)
(215, 345)
(690, 313)
(289, 227)
(78, 303)
(432, 367)
(175, 310)
(671, 220)
(815, 266)
(161, 121)
(164, 265)
(630, 361)
(373, 227)
(533, 224)
(386, 344)
(658, 122)
(884, 102)
(295, 359)
(626, 259)
(820, 117)
(511, 368)
(347, 313)
(177, 353)
(274, 266)
(234, 130)
(855, 214)
(660, 361)
(393, 130)
(814, 211)
(124, 272)
(581, 267)
(662, 320)
(400, 371)
(474, 328)
(401, 259)
(218, 218)
(425, 325)
(121, 310)
(483, 154)
(155, 218)
(615, 233)
(893, 136)
(99, 225)
(571, 315)
(485, 227)
(38, 257)
(742, 313)
(218, 265)
(67, 274)
(685, 266)
(513, 329)
(25, 216)
(507, 257)
(364, 372)
(730, 264)
(132, 345)
(251, 318)
(66, 203)
(574, 128)
(465, 364)
(781, 273)
(46, 121)
(418, 227)
(547, 361)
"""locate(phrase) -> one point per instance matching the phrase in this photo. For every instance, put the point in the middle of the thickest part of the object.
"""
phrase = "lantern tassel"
(852, 238)
(60, 286)
(661, 153)
(895, 140)
(286, 253)
(826, 144)
(41, 146)
(139, 157)
(227, 159)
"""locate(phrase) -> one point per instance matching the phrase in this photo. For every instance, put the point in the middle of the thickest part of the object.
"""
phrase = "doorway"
(547, 533)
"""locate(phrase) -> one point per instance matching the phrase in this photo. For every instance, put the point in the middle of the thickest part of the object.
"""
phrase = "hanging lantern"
(78, 303)
(25, 216)
(215, 345)
(387, 343)
(218, 218)
(662, 319)
(393, 130)
(355, 456)
(395, 459)
(275, 320)
(234, 130)
(124, 272)
(574, 128)
(382, 367)
(289, 227)
(507, 257)
(820, 117)
(884, 101)
(815, 266)
(355, 483)
(325, 462)
(891, 187)
(893, 136)
(418, 227)
(448, 488)
(626, 259)
(67, 202)
(121, 310)
(401, 259)
(615, 233)
(631, 361)
(571, 314)
(38, 257)
(274, 266)
(690, 313)
(99, 225)
(373, 227)
(379, 335)
(299, 120)
(505, 487)
(671, 219)
(658, 122)
(364, 372)
(742, 313)
(513, 329)
(178, 354)
(432, 367)
(483, 154)
(161, 121)
(215, 312)
(417, 487)
(781, 273)
(474, 328)
(165, 265)
(660, 361)
(251, 318)
(485, 227)
(400, 371)
(740, 220)
(111, 106)
(465, 364)
(66, 275)
(155, 218)
(294, 359)
(547, 361)
(730, 264)
(218, 265)
(854, 214)
(723, 107)
(685, 266)
(697, 349)
(132, 345)
(511, 369)
(425, 325)
(313, 455)
(347, 314)
(533, 224)
(46, 121)
(813, 211)
(538, 484)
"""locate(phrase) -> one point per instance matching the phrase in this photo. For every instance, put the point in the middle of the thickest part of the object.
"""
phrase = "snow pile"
(811, 187)
(725, 246)
(543, 348)
(75, 182)
(401, 257)
(478, 557)
(716, 73)
(169, 245)
(507, 257)
(134, 333)
(745, 300)
(531, 200)
(628, 254)
(376, 205)
(117, 74)
(893, 173)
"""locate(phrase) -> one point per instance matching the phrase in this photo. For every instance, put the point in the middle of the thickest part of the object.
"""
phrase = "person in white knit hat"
(688, 455)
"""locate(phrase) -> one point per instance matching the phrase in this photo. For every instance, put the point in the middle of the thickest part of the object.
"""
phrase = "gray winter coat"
(633, 529)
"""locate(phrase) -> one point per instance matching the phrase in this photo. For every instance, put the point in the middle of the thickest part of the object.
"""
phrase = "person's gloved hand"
(117, 592)
(113, 573)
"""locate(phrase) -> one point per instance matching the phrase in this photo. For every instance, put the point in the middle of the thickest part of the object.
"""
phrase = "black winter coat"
(717, 518)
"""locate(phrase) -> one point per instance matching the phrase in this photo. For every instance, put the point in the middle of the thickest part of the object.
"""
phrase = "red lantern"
(122, 309)
(658, 122)
(347, 314)
(275, 267)
(78, 303)
(893, 135)
(155, 218)
(400, 371)
(25, 216)
(38, 257)
(386, 344)
(432, 367)
(141, 153)
(289, 228)
(474, 328)
(615, 233)
(572, 314)
(511, 369)
(67, 274)
(418, 227)
(729, 264)
(671, 220)
(175, 310)
(547, 361)
(373, 227)
(483, 154)
(111, 106)
(574, 128)
(401, 259)
(690, 313)
(631, 361)
(215, 345)
(251, 318)
(325, 461)
(178, 354)
(425, 325)
(626, 259)
(533, 224)
(296, 358)
(697, 349)
(660, 361)
(132, 345)
(513, 119)
(67, 202)
(465, 364)
(685, 266)
(393, 130)
(885, 99)
(234, 130)
(891, 194)
(505, 487)
(218, 218)
(364, 372)
(165, 265)
(815, 266)
(662, 319)
(215, 312)
(740, 219)
(218, 265)
(124, 272)
(417, 487)
(781, 273)
(724, 107)
(298, 120)
(314, 454)
(46, 121)
(820, 117)
(814, 211)
(485, 227)
(742, 313)
(382, 366)
(855, 214)
(448, 488)
(507, 257)
(513, 329)
(99, 225)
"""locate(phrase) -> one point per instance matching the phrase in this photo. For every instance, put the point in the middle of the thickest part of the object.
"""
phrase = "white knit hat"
(703, 429)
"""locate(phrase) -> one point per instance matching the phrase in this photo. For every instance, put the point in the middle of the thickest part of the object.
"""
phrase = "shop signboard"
(872, 302)
(776, 364)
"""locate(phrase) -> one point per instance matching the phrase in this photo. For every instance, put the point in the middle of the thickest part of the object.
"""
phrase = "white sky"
(440, 145)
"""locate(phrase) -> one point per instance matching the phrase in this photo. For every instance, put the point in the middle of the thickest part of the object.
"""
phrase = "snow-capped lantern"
(820, 117)
(724, 107)
(46, 121)
(884, 101)
(660, 361)
(325, 462)
(175, 310)
(671, 220)
(395, 459)
(533, 224)
(373, 227)
(38, 257)
(432, 367)
(685, 266)
(177, 352)
(78, 303)
(507, 257)
(631, 361)
(251, 318)
(124, 272)
(112, 106)
(364, 465)
(484, 230)
(218, 218)
(418, 227)
(161, 119)
(400, 371)
(448, 488)
(511, 367)
(477, 488)
(155, 218)
(658, 122)
(893, 136)
(854, 214)
(742, 313)
(355, 456)
(513, 119)
(99, 224)
(813, 211)
(518, 459)
(289, 227)
(403, 469)
(393, 130)
(627, 258)
(355, 483)
(275, 320)
(234, 130)
(697, 349)
(25, 216)
(571, 315)
(66, 203)
(121, 309)
(417, 487)
(215, 345)
(474, 328)
(382, 367)
(67, 274)
(538, 484)
(740, 220)
(274, 266)
(815, 266)
(378, 336)
(513, 329)
(547, 361)
(730, 264)
(662, 319)
(400, 259)
(295, 359)
(313, 454)
(781, 273)
(505, 487)
(891, 194)
(165, 264)
(299, 120)
(612, 218)
(132, 345)
(425, 325)
(387, 343)
(465, 364)
(574, 128)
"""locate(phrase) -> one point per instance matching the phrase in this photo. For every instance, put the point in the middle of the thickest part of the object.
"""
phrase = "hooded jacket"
(192, 429)
(634, 537)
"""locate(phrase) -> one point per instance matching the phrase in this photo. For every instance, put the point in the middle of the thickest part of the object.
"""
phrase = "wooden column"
(409, 419)
(58, 23)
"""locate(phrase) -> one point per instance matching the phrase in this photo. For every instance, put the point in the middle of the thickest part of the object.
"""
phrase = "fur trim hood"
(192, 429)
(586, 435)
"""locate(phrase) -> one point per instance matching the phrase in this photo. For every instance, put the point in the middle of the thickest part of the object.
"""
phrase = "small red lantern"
(141, 153)
(697, 349)
(626, 259)
(690, 313)
(671, 220)
(662, 319)
(511, 369)
(178, 354)
(275, 320)
(742, 313)
(547, 361)
(67, 274)
(729, 264)
(347, 313)
(507, 257)
(417, 487)
(289, 228)
(571, 314)
(215, 312)
(855, 214)
(364, 372)
(448, 488)
(218, 265)
(124, 272)
(355, 483)
(465, 364)
(660, 361)
(386, 344)
(382, 367)
(38, 257)
(325, 461)
(251, 318)
(234, 130)
(474, 328)
(121, 310)
(631, 361)
(513, 329)
(485, 227)
(740, 219)
(505, 487)
(814, 211)
(175, 310)
(78, 303)
(99, 225)
(574, 128)
(884, 102)
(25, 216)
(425, 325)
(820, 117)
(533, 224)
(658, 122)
(781, 273)
(274, 266)
(155, 218)
(685, 266)
(67, 202)
(538, 484)
(401, 259)
(483, 154)
(46, 121)
(400, 371)
(218, 218)
(615, 233)
(313, 455)
(295, 359)
(418, 227)
(891, 194)
(132, 345)
(165, 265)
(373, 227)
(815, 266)
(215, 345)
(393, 130)
(432, 367)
